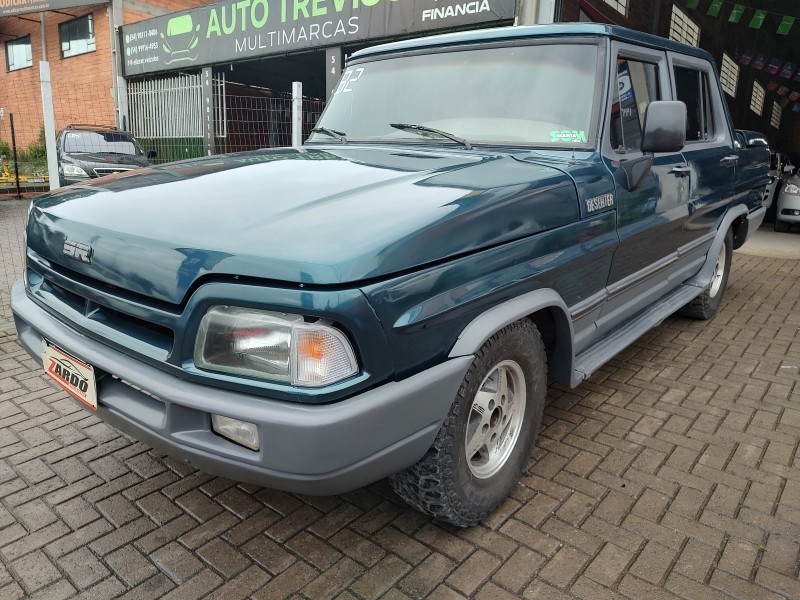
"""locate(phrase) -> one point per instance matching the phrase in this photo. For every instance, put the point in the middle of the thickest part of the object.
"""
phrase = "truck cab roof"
(555, 30)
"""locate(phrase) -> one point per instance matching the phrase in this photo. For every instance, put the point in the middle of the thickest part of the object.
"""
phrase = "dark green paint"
(400, 245)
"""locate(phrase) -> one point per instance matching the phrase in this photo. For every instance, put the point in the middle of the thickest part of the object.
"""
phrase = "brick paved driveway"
(673, 472)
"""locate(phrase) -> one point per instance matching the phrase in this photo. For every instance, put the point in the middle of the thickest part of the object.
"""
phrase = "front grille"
(159, 339)
(101, 171)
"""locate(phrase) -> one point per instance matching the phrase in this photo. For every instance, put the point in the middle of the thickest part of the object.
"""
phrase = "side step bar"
(588, 361)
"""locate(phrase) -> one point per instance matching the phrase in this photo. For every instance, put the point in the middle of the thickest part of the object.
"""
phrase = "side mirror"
(664, 131)
(788, 169)
(664, 127)
(152, 154)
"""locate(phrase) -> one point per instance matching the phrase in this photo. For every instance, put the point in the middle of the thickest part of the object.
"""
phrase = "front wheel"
(484, 443)
(706, 305)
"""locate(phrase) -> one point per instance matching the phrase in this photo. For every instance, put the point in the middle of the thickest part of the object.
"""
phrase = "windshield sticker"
(568, 136)
(348, 79)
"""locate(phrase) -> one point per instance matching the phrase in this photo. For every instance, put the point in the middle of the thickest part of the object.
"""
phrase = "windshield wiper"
(423, 129)
(332, 133)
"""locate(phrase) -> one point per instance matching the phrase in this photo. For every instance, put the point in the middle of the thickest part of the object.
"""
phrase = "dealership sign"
(20, 7)
(235, 29)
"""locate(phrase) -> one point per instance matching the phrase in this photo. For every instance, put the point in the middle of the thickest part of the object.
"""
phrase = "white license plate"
(74, 375)
(35, 180)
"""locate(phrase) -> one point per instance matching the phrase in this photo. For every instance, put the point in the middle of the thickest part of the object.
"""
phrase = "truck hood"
(318, 216)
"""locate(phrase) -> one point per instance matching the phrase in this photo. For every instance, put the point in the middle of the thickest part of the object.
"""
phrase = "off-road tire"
(442, 484)
(706, 305)
(782, 226)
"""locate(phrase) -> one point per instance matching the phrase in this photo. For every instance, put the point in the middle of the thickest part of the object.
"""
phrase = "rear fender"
(703, 277)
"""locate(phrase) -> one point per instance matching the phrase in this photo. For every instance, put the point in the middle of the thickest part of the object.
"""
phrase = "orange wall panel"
(81, 84)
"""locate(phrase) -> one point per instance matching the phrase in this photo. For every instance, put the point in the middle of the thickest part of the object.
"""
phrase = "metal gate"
(166, 115)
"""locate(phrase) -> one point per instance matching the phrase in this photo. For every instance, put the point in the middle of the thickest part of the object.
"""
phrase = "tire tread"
(427, 485)
(704, 307)
(782, 226)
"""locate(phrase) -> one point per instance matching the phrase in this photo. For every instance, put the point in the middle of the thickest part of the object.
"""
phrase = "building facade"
(79, 45)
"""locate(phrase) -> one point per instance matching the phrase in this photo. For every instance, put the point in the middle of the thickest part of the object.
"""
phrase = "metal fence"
(258, 119)
(23, 158)
(23, 169)
(22, 128)
(166, 115)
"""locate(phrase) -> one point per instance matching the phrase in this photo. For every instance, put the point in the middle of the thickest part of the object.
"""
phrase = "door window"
(637, 86)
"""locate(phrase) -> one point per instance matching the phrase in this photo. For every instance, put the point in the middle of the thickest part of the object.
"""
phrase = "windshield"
(541, 95)
(117, 142)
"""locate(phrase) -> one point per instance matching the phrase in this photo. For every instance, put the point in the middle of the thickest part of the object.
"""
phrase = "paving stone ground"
(672, 473)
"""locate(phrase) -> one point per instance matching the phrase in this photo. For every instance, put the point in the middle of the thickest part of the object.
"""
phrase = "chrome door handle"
(681, 170)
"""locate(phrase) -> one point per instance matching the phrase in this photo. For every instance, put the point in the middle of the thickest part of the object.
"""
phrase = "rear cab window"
(693, 83)
(692, 88)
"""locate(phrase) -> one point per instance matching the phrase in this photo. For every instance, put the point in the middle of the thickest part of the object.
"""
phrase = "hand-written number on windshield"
(348, 79)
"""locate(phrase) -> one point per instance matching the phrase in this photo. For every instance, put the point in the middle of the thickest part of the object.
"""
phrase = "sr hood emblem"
(78, 251)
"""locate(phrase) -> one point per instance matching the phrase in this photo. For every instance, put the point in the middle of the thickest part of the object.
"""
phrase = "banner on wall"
(735, 12)
(9, 8)
(236, 29)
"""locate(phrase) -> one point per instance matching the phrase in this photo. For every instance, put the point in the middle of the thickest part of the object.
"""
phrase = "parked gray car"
(788, 209)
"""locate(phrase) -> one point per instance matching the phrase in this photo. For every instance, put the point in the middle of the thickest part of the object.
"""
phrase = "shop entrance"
(251, 107)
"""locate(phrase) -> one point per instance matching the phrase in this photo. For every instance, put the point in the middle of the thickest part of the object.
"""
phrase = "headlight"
(71, 170)
(792, 189)
(273, 346)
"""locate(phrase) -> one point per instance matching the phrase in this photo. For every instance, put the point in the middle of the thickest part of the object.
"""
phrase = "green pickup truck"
(475, 214)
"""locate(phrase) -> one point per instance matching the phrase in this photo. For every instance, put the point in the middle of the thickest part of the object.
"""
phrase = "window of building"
(777, 113)
(729, 75)
(618, 5)
(637, 87)
(77, 36)
(692, 87)
(682, 28)
(18, 53)
(757, 99)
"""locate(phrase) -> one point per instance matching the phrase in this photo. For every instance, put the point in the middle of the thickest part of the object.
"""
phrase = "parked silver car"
(777, 176)
(788, 209)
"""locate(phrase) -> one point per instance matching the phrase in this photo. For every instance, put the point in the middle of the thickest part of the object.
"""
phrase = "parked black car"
(89, 151)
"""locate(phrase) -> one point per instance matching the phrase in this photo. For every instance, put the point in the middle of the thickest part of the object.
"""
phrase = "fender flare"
(482, 327)
(703, 277)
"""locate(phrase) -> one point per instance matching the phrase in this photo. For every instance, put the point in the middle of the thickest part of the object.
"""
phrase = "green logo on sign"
(181, 39)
